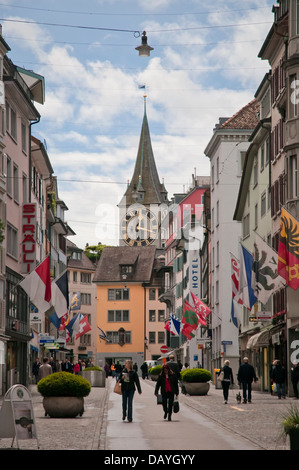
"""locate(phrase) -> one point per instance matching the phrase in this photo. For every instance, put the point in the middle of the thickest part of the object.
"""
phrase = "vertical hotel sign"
(28, 245)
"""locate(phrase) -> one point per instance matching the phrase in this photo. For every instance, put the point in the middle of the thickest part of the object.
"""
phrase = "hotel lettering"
(28, 245)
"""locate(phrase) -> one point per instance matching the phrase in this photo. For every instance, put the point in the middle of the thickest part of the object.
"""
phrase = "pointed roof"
(145, 180)
(245, 118)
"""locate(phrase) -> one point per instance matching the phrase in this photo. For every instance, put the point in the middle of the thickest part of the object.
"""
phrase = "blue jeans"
(127, 402)
(280, 390)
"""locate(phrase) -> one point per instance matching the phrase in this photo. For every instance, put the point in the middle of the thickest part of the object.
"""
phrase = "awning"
(259, 339)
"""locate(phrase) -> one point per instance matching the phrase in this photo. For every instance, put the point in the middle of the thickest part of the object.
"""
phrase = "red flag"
(201, 309)
(37, 285)
(288, 253)
(84, 327)
(190, 321)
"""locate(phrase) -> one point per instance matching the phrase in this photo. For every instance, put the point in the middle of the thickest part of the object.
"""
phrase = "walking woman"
(168, 382)
(129, 381)
(227, 379)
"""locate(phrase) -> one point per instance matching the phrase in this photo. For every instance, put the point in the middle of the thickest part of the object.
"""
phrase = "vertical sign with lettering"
(28, 245)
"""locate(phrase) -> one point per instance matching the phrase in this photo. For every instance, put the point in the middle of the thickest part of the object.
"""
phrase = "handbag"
(117, 388)
(176, 406)
(159, 399)
(220, 376)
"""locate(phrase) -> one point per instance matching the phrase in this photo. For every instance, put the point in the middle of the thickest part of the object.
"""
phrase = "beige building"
(80, 274)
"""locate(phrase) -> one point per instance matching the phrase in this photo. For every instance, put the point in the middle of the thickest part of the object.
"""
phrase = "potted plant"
(63, 394)
(155, 372)
(290, 425)
(95, 376)
(195, 381)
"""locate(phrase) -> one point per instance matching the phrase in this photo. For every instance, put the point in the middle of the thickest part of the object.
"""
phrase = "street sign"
(164, 349)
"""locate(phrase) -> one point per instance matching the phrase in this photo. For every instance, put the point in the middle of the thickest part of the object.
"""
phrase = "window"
(263, 204)
(118, 315)
(25, 187)
(75, 276)
(255, 216)
(152, 337)
(12, 241)
(115, 337)
(85, 299)
(293, 96)
(160, 315)
(293, 180)
(152, 315)
(246, 225)
(161, 337)
(11, 121)
(24, 137)
(255, 178)
(118, 294)
(16, 182)
(152, 294)
(9, 176)
(86, 278)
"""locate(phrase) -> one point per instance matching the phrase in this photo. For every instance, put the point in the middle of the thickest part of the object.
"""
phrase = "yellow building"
(127, 282)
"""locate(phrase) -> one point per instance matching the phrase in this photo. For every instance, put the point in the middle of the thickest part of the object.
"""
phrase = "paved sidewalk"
(259, 422)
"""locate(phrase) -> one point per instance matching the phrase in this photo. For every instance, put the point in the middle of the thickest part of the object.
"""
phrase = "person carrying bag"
(168, 382)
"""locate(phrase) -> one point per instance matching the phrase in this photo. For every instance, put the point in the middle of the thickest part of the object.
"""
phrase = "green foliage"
(93, 368)
(63, 384)
(94, 252)
(196, 375)
(2, 231)
(156, 370)
(291, 420)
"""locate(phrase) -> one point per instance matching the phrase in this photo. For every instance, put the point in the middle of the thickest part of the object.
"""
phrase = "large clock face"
(139, 227)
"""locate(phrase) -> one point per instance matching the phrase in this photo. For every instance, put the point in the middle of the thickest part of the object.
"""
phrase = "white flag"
(265, 268)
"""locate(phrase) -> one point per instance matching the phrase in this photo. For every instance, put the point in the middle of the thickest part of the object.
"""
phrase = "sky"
(204, 66)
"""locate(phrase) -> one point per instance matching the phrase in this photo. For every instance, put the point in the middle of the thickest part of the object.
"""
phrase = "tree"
(94, 252)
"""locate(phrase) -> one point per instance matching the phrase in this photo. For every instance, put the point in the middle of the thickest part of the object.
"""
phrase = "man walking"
(174, 366)
(45, 369)
(246, 375)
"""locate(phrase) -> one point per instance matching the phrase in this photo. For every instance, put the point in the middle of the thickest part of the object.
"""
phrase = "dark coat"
(133, 381)
(161, 382)
(228, 374)
(246, 373)
(278, 374)
(175, 368)
(295, 373)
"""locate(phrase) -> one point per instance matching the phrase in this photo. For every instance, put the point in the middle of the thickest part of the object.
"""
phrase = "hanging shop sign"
(28, 245)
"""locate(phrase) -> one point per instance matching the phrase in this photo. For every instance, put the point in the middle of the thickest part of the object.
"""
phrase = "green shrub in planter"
(196, 375)
(93, 368)
(63, 384)
(156, 370)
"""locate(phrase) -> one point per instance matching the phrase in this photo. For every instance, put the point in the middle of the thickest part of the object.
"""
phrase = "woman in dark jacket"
(168, 382)
(227, 379)
(129, 381)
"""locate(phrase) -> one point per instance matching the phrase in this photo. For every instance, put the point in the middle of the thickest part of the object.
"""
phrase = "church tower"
(145, 200)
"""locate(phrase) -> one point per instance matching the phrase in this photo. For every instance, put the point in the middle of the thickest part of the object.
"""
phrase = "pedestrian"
(129, 381)
(45, 369)
(168, 382)
(295, 377)
(35, 369)
(53, 364)
(144, 370)
(135, 367)
(185, 366)
(279, 377)
(174, 366)
(271, 376)
(228, 379)
(118, 369)
(67, 366)
(76, 368)
(107, 369)
(112, 368)
(246, 375)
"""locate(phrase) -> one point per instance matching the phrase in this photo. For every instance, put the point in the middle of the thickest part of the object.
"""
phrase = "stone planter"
(294, 439)
(63, 407)
(195, 388)
(96, 378)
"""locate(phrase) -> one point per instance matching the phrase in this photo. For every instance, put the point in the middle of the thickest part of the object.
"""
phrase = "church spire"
(145, 187)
